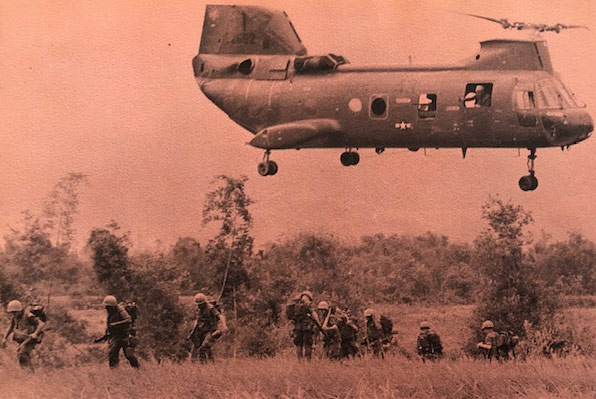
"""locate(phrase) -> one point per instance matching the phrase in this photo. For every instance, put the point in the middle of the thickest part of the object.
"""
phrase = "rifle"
(26, 341)
(318, 324)
(37, 339)
(192, 332)
(103, 338)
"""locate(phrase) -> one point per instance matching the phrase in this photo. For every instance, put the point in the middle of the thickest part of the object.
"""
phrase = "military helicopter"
(253, 65)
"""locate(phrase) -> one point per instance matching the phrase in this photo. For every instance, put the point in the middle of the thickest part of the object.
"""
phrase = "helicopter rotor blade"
(563, 26)
(499, 21)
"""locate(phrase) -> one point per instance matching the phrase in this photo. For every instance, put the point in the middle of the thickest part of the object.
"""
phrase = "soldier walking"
(349, 335)
(118, 333)
(489, 344)
(305, 319)
(26, 330)
(373, 338)
(208, 328)
(429, 343)
(320, 340)
(332, 337)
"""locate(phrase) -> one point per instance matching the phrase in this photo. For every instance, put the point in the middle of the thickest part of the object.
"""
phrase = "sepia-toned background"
(106, 89)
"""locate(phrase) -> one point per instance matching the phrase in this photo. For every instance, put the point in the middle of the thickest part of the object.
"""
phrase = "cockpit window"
(547, 97)
(553, 94)
(568, 95)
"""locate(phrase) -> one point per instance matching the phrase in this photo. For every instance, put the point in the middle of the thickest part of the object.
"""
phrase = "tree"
(230, 249)
(188, 256)
(155, 284)
(512, 295)
(29, 253)
(570, 265)
(60, 209)
(39, 250)
(110, 259)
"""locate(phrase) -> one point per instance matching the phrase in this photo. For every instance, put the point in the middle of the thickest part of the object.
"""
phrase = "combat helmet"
(110, 300)
(487, 324)
(14, 306)
(323, 305)
(200, 298)
(307, 294)
(425, 325)
(369, 313)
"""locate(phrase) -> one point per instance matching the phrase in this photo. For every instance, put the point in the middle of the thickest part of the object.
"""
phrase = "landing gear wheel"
(349, 158)
(529, 182)
(346, 158)
(267, 168)
(272, 168)
(263, 168)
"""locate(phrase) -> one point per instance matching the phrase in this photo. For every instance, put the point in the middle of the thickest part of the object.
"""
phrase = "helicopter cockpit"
(560, 113)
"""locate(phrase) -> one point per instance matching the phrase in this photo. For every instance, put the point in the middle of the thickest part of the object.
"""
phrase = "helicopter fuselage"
(382, 107)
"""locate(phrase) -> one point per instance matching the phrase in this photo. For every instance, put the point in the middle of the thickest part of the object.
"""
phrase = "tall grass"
(287, 378)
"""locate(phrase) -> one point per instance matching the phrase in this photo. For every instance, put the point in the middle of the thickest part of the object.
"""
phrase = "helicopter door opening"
(427, 105)
(478, 95)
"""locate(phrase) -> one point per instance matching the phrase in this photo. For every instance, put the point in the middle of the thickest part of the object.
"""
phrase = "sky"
(106, 89)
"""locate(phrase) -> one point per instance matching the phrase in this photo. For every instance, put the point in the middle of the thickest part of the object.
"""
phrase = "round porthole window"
(378, 106)
(355, 105)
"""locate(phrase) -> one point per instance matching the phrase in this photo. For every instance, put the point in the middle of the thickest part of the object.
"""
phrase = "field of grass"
(287, 378)
(284, 377)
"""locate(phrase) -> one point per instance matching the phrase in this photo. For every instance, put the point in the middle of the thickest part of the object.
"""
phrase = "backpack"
(431, 343)
(38, 311)
(132, 310)
(216, 305)
(386, 325)
(507, 340)
(292, 311)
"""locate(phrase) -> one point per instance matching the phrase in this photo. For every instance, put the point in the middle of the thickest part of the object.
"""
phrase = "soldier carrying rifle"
(119, 333)
(26, 329)
(209, 327)
(301, 313)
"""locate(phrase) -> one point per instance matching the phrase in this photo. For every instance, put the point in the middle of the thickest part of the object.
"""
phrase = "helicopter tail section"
(229, 30)
(530, 55)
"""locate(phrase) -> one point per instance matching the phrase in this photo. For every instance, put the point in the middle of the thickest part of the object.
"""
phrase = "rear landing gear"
(529, 182)
(267, 167)
(349, 158)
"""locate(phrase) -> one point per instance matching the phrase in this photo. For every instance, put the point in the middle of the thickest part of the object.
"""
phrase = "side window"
(378, 107)
(525, 102)
(478, 95)
(427, 105)
(525, 99)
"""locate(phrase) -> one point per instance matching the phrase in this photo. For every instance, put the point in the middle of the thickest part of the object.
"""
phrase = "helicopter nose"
(586, 126)
(567, 127)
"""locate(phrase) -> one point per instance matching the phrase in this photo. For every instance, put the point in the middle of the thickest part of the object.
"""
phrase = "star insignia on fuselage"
(403, 125)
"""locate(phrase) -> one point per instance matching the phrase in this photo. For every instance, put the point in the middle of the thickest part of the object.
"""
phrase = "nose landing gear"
(267, 167)
(529, 182)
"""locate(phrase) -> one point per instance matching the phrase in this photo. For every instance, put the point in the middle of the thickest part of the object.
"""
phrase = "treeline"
(396, 268)
(503, 265)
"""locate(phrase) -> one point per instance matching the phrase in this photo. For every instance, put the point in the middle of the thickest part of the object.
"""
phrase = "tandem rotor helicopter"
(253, 65)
